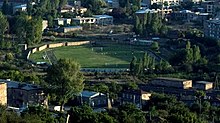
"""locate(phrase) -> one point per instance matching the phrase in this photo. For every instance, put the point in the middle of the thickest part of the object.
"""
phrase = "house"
(3, 93)
(187, 15)
(62, 21)
(212, 28)
(203, 85)
(94, 99)
(83, 20)
(103, 19)
(137, 97)
(20, 94)
(76, 8)
(166, 3)
(113, 3)
(96, 19)
(22, 7)
(70, 29)
(66, 8)
(172, 82)
(142, 12)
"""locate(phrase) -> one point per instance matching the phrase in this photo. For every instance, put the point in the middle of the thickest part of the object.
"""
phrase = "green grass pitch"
(106, 56)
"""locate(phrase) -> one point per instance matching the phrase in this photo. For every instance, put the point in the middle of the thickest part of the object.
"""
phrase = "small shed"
(203, 85)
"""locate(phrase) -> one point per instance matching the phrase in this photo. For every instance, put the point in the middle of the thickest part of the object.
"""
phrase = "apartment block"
(212, 28)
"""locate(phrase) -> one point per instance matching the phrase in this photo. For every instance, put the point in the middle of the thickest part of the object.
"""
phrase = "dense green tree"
(133, 65)
(128, 113)
(146, 60)
(140, 67)
(137, 25)
(6, 8)
(34, 30)
(28, 29)
(156, 24)
(196, 53)
(85, 114)
(155, 46)
(50, 21)
(62, 3)
(66, 78)
(3, 26)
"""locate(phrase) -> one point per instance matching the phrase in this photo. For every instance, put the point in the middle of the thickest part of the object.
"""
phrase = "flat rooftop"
(20, 85)
(170, 79)
(214, 21)
(102, 16)
(203, 82)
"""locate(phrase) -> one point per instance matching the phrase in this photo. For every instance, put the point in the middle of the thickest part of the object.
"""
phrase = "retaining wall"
(56, 45)
(77, 43)
(33, 50)
(42, 48)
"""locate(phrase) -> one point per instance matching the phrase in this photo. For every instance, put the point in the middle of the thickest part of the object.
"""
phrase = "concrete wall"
(77, 43)
(3, 94)
(34, 50)
(55, 45)
(42, 48)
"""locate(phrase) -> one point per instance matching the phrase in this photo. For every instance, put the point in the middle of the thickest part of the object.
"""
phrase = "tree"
(156, 24)
(85, 114)
(50, 21)
(128, 113)
(140, 67)
(62, 3)
(137, 25)
(5, 7)
(29, 7)
(132, 65)
(34, 30)
(196, 53)
(146, 59)
(66, 80)
(3, 25)
(155, 46)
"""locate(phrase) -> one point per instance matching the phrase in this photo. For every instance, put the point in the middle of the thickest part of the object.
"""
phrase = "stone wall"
(42, 48)
(77, 43)
(55, 45)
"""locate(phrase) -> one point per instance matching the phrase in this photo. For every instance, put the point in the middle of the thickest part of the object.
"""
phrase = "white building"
(96, 19)
(83, 20)
(22, 7)
(103, 19)
(62, 21)
(148, 3)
